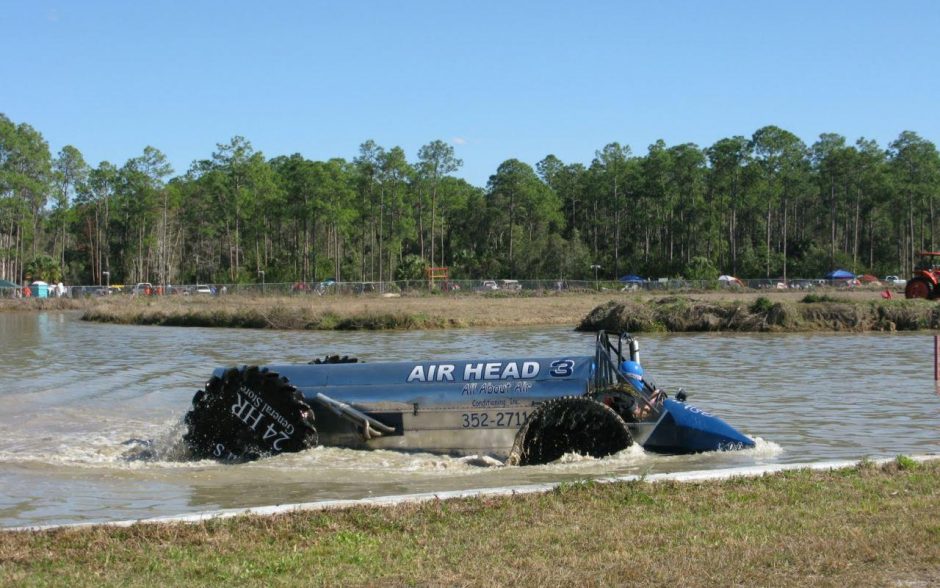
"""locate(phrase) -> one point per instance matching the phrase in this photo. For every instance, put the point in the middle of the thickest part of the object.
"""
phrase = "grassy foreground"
(864, 526)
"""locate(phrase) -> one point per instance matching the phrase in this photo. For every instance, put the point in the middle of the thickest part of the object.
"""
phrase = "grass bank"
(43, 304)
(339, 313)
(869, 525)
(615, 311)
(763, 314)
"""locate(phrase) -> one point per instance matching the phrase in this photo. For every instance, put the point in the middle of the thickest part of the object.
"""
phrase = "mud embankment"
(275, 317)
(346, 313)
(745, 312)
(687, 314)
(42, 304)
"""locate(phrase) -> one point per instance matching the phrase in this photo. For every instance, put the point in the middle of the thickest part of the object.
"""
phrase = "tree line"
(768, 205)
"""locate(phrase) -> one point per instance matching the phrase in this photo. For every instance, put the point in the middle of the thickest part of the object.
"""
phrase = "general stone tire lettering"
(246, 414)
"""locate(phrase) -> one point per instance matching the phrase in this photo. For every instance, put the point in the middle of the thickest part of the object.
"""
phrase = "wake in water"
(169, 450)
(100, 448)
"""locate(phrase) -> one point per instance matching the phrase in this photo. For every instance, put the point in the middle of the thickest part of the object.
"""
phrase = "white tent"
(730, 280)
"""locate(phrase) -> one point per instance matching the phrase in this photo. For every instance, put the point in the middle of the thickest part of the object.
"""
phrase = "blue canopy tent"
(8, 288)
(631, 279)
(839, 274)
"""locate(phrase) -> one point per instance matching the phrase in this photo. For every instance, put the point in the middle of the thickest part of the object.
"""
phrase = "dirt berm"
(684, 314)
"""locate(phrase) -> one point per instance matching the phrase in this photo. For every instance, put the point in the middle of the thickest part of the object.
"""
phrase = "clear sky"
(496, 79)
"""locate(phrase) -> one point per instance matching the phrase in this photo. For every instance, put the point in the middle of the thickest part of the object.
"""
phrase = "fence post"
(936, 358)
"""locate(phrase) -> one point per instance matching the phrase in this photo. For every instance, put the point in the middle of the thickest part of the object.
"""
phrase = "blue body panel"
(440, 384)
(687, 429)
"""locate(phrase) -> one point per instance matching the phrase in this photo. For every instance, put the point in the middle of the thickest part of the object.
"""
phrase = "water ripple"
(75, 393)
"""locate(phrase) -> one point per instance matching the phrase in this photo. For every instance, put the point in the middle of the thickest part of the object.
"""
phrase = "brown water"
(75, 394)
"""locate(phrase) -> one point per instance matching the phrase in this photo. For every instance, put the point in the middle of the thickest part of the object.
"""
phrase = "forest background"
(768, 205)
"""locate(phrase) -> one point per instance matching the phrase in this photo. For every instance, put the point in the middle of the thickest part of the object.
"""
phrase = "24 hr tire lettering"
(252, 416)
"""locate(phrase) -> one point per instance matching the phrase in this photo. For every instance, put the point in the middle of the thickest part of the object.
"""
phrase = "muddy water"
(77, 399)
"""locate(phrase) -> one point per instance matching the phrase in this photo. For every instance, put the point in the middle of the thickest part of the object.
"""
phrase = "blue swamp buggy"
(524, 411)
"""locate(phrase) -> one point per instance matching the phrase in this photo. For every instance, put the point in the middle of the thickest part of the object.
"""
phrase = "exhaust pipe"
(634, 349)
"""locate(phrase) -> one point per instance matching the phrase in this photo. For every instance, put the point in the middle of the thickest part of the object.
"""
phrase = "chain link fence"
(479, 287)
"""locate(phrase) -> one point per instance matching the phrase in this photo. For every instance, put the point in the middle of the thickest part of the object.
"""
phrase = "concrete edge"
(693, 476)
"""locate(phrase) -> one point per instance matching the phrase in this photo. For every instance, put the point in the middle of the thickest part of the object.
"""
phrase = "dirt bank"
(40, 304)
(767, 314)
(859, 310)
(341, 313)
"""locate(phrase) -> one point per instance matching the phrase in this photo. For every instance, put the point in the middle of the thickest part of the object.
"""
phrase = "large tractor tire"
(919, 288)
(569, 425)
(246, 414)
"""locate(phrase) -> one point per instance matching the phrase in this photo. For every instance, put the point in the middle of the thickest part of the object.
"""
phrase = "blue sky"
(496, 79)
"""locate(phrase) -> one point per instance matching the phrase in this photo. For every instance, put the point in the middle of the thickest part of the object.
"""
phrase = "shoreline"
(730, 311)
(683, 477)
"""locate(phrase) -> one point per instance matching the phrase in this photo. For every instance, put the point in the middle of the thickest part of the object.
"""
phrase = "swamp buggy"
(524, 411)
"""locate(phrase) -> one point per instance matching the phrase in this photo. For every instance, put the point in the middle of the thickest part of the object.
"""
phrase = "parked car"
(488, 285)
(895, 281)
(802, 284)
(142, 288)
(84, 291)
(202, 289)
(771, 284)
(510, 285)
(327, 285)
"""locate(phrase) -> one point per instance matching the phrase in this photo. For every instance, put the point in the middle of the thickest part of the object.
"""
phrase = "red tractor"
(924, 283)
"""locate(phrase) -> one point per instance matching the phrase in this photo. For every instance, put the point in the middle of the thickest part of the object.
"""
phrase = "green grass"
(762, 304)
(818, 298)
(869, 525)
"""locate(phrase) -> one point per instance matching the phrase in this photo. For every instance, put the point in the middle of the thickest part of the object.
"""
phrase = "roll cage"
(609, 354)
